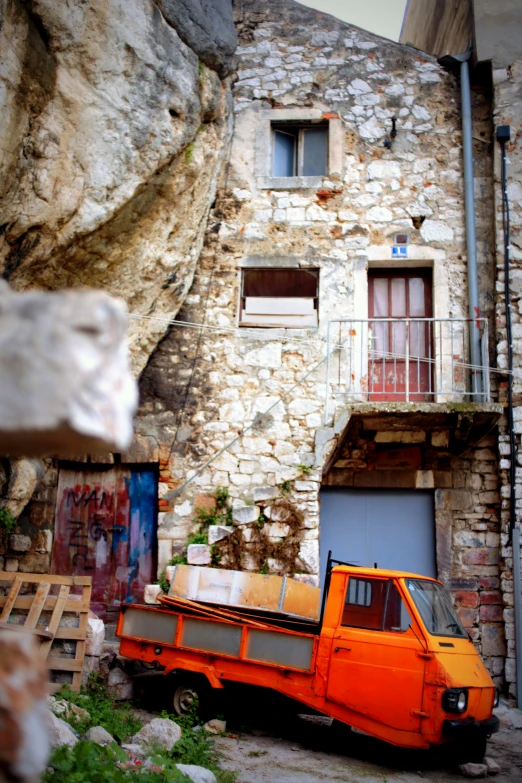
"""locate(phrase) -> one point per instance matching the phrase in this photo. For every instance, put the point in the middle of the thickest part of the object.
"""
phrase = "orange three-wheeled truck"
(388, 657)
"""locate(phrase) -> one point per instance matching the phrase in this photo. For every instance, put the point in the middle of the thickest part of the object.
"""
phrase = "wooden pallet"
(41, 601)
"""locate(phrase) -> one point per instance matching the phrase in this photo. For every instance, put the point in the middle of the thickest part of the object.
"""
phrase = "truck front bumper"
(455, 729)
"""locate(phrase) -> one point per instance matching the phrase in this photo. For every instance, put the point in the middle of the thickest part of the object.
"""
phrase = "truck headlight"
(455, 700)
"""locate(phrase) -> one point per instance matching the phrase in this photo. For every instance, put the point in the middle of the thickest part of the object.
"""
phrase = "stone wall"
(508, 111)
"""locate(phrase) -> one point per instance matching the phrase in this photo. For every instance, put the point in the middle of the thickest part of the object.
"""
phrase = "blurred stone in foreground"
(65, 384)
(24, 740)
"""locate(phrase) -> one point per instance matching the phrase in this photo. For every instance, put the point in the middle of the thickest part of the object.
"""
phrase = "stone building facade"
(207, 387)
(253, 414)
(494, 30)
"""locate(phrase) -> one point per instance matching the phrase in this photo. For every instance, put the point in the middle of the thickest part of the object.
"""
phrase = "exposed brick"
(490, 597)
(489, 582)
(480, 557)
(467, 616)
(466, 598)
(491, 614)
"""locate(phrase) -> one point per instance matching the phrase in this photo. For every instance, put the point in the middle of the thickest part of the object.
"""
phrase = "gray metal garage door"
(393, 528)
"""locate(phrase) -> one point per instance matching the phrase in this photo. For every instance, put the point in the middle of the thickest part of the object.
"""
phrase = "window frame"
(298, 116)
(273, 269)
(299, 136)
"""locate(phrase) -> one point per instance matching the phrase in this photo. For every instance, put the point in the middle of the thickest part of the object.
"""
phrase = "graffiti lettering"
(78, 540)
(89, 498)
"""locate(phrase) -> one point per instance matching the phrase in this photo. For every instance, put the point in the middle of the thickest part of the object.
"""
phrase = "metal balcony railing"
(407, 359)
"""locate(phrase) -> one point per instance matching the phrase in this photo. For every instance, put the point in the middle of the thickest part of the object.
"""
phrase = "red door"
(400, 350)
(105, 528)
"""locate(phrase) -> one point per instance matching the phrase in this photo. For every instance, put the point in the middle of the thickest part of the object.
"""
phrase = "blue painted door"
(393, 528)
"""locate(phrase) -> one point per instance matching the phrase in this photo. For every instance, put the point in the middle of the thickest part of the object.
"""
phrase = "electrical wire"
(254, 334)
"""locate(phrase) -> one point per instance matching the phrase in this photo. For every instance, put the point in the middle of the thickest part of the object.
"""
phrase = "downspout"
(451, 61)
(471, 234)
(503, 136)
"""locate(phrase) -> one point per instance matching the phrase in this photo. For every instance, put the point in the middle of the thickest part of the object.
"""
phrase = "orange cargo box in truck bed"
(388, 656)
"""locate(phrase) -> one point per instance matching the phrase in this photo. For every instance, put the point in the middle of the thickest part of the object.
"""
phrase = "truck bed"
(243, 635)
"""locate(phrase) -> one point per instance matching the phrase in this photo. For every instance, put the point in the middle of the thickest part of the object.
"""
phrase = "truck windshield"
(435, 608)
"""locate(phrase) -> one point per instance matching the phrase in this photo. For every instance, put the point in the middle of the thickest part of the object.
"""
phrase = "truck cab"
(394, 651)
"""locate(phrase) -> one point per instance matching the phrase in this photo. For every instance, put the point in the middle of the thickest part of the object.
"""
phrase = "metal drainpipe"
(452, 62)
(471, 235)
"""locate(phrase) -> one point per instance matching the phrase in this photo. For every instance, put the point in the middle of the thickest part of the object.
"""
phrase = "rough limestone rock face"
(66, 385)
(207, 27)
(113, 127)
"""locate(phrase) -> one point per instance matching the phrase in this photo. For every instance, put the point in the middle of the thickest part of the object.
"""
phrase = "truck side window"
(375, 604)
(364, 605)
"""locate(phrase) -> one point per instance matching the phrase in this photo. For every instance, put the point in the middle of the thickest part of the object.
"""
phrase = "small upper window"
(299, 150)
(279, 297)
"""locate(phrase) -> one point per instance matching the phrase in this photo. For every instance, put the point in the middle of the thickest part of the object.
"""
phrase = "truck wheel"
(184, 698)
(189, 693)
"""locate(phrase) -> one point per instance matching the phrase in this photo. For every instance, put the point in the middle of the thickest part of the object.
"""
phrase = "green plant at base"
(189, 152)
(199, 537)
(162, 582)
(305, 469)
(178, 560)
(115, 718)
(88, 762)
(221, 497)
(215, 557)
(264, 569)
(285, 487)
(7, 520)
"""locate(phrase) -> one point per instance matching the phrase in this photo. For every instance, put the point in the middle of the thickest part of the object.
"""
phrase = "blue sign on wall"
(400, 251)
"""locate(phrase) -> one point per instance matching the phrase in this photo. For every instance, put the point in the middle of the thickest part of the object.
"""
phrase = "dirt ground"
(304, 755)
(268, 742)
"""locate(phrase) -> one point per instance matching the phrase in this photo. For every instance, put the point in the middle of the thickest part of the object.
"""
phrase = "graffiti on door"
(105, 528)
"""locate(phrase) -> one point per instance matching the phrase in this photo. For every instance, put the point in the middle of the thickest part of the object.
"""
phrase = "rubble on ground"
(215, 726)
(162, 731)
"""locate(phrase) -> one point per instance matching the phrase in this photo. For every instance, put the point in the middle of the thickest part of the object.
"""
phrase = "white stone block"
(151, 594)
(66, 386)
(359, 87)
(266, 356)
(95, 635)
(245, 515)
(436, 231)
(19, 543)
(372, 129)
(379, 215)
(218, 532)
(199, 554)
(265, 493)
(305, 486)
(309, 555)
